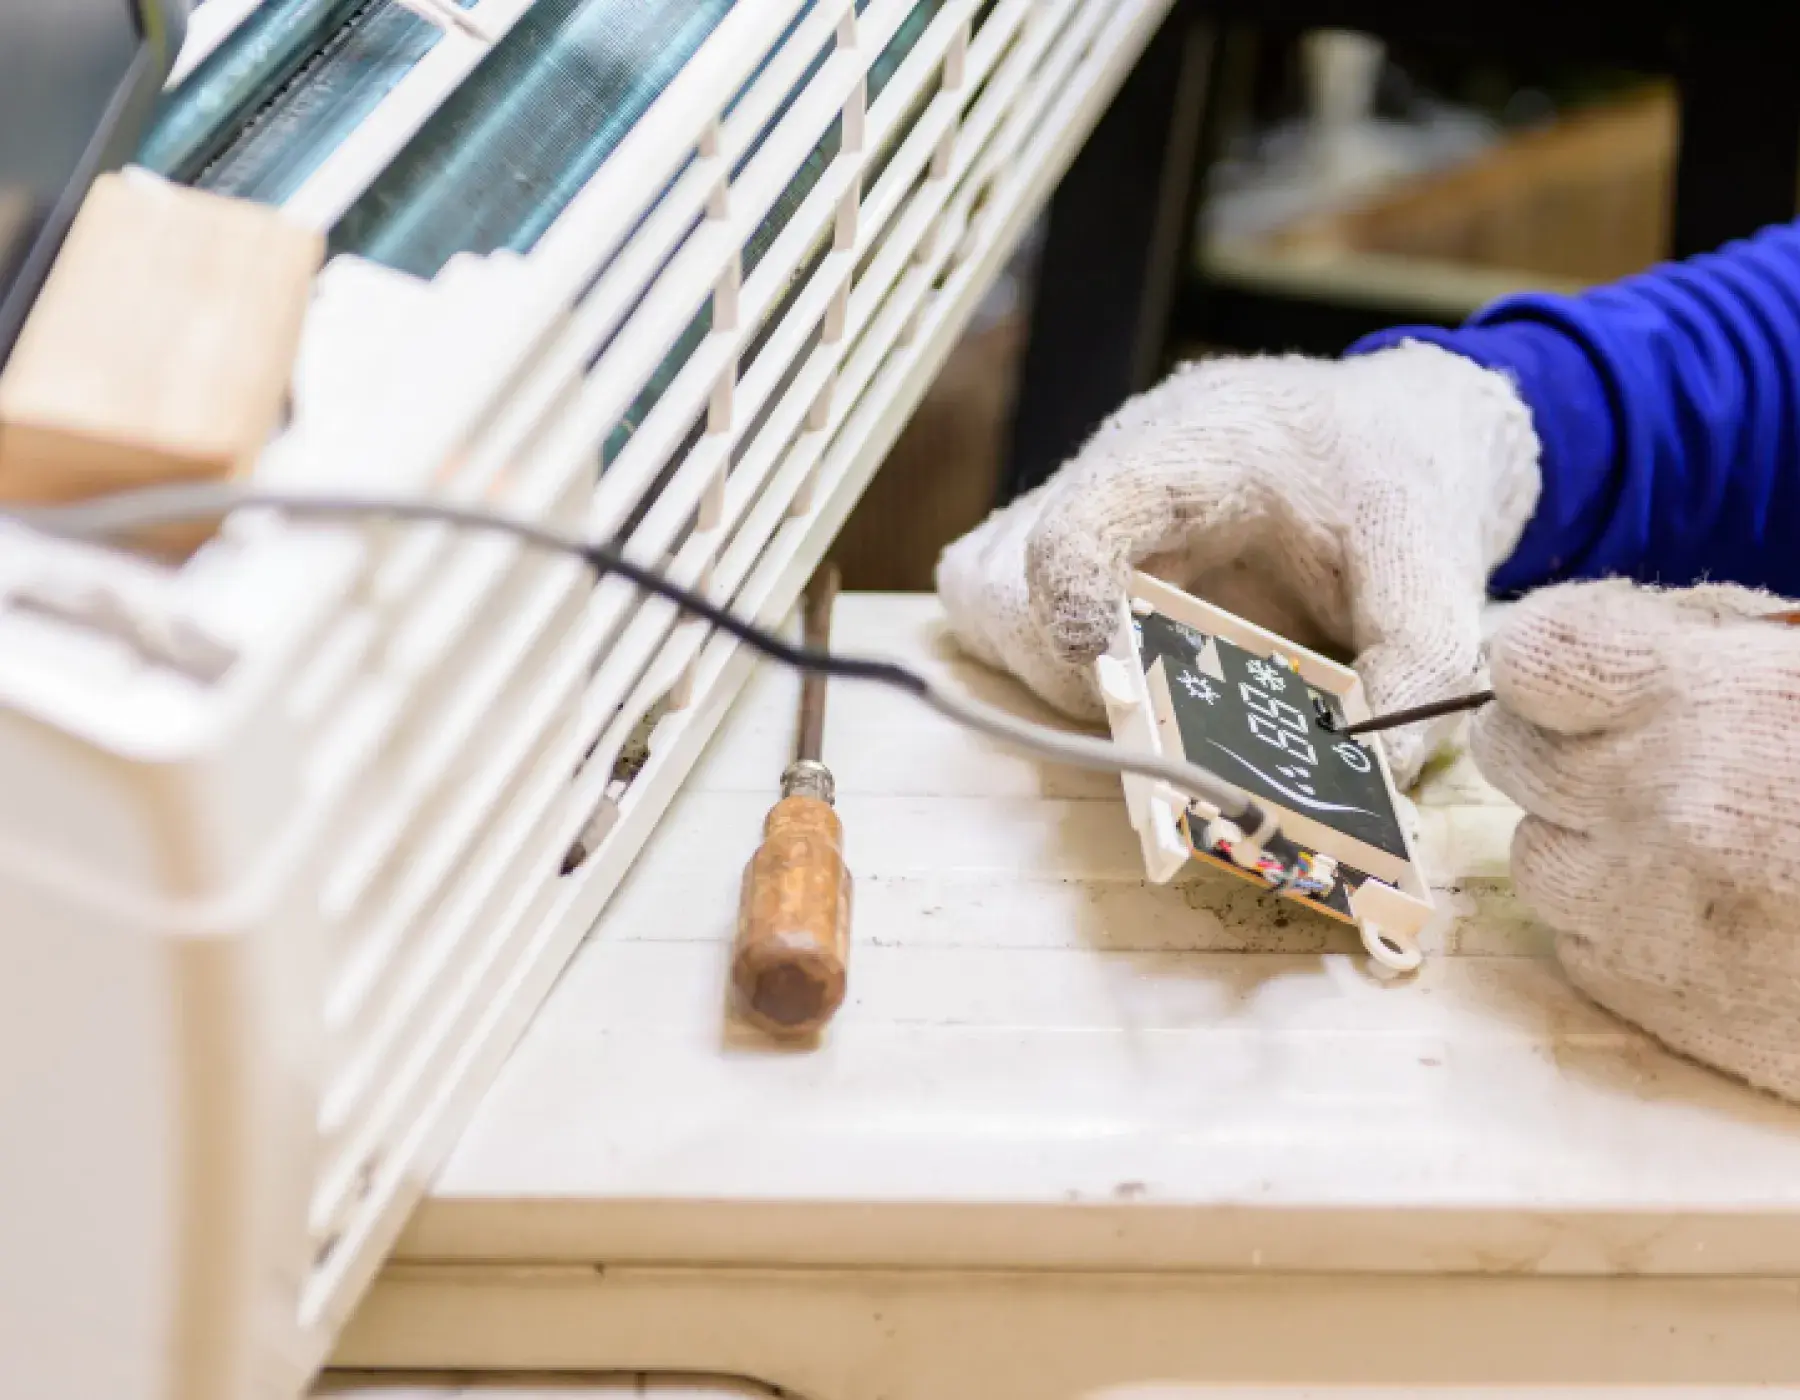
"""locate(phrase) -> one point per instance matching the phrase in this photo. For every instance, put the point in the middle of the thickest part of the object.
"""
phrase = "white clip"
(1115, 683)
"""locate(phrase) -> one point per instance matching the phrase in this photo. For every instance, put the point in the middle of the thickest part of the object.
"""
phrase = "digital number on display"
(1251, 721)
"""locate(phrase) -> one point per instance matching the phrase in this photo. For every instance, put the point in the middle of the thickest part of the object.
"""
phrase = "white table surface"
(425, 1386)
(1046, 1064)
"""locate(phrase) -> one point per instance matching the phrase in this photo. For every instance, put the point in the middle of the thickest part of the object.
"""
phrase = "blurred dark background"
(1272, 187)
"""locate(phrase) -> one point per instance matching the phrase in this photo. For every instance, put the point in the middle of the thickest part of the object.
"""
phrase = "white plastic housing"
(268, 933)
(1390, 915)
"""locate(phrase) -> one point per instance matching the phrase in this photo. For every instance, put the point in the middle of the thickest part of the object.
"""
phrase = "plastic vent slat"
(420, 722)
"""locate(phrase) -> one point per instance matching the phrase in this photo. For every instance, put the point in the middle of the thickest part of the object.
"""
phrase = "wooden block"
(161, 347)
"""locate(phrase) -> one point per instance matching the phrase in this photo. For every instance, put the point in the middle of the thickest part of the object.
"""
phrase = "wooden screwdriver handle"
(790, 963)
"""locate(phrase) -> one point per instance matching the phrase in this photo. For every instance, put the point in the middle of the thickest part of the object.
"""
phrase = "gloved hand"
(1357, 505)
(1653, 740)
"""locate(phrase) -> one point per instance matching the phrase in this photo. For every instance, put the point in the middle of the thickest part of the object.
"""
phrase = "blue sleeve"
(1668, 410)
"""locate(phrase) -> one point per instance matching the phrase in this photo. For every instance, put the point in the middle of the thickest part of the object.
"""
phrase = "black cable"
(125, 513)
(605, 559)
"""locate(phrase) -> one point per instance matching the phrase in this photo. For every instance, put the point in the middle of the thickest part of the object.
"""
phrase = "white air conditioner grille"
(705, 353)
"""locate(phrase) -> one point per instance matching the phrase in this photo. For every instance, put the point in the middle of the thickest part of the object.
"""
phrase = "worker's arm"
(1668, 410)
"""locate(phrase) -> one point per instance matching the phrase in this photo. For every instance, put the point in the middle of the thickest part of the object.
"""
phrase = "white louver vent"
(291, 909)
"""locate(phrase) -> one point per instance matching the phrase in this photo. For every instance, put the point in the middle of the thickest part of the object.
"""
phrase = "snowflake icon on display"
(1354, 756)
(1269, 677)
(1197, 686)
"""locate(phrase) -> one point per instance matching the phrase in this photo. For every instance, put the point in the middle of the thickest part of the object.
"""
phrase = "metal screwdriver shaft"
(1417, 714)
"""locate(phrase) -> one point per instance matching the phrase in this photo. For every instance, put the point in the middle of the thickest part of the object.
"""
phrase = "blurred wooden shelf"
(1585, 199)
(1427, 288)
(1577, 203)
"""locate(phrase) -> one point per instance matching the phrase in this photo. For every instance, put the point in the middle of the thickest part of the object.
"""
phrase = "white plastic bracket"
(956, 61)
(943, 155)
(849, 219)
(712, 503)
(721, 406)
(727, 294)
(856, 118)
(837, 314)
(818, 417)
(1389, 922)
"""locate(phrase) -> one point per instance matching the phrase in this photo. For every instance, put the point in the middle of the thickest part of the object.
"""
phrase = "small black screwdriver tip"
(1416, 715)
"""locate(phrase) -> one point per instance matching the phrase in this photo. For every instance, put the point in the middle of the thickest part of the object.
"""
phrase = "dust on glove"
(1354, 506)
(1653, 740)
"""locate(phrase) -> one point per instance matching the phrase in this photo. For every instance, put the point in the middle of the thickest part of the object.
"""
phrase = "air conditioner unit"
(295, 837)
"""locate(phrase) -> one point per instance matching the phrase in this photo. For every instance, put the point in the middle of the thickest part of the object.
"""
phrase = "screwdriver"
(1437, 708)
(789, 963)
(1416, 715)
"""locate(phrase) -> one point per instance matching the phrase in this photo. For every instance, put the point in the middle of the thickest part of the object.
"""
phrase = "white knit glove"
(1356, 505)
(1653, 740)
